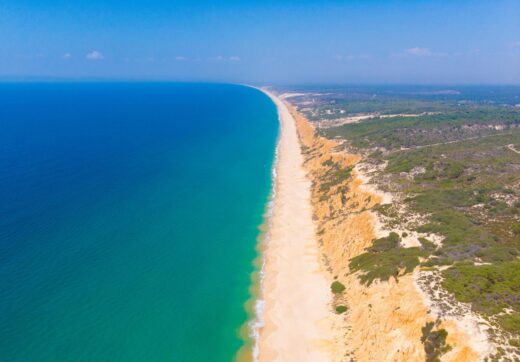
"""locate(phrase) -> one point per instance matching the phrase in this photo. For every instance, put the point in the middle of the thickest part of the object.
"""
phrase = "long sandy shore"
(295, 291)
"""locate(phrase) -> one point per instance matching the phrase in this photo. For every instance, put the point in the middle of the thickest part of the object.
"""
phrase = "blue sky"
(265, 42)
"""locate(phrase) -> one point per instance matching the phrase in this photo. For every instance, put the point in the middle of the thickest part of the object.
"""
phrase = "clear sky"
(263, 41)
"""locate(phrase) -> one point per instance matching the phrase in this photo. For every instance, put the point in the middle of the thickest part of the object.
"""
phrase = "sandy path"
(296, 292)
(512, 148)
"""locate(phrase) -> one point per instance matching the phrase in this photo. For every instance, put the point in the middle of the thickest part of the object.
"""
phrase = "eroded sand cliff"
(384, 320)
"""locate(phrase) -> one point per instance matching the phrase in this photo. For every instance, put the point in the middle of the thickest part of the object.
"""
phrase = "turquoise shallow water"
(128, 218)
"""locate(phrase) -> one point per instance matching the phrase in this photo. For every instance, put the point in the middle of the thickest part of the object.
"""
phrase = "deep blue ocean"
(129, 214)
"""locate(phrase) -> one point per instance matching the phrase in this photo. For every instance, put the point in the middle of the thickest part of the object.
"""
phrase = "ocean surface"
(129, 214)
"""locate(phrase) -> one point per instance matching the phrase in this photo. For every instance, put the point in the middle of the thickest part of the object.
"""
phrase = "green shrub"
(516, 228)
(335, 175)
(427, 244)
(328, 163)
(437, 261)
(434, 342)
(385, 259)
(490, 288)
(454, 170)
(385, 265)
(510, 322)
(386, 243)
(496, 254)
(514, 342)
(341, 309)
(463, 238)
(336, 287)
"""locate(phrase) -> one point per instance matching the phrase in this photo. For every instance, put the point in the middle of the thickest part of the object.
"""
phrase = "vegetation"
(386, 259)
(469, 190)
(427, 244)
(516, 227)
(340, 309)
(515, 342)
(406, 132)
(336, 287)
(511, 322)
(434, 341)
(336, 175)
(446, 152)
(490, 288)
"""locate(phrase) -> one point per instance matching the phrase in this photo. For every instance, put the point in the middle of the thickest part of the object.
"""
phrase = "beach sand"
(295, 290)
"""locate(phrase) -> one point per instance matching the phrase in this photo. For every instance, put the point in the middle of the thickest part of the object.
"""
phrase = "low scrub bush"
(510, 322)
(336, 287)
(490, 288)
(341, 309)
(386, 259)
(434, 341)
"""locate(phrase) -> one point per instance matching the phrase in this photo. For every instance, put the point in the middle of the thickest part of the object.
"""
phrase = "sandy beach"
(296, 316)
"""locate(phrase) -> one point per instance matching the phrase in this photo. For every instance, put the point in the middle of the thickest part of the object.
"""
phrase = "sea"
(129, 218)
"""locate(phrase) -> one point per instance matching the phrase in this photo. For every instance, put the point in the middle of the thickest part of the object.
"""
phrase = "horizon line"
(80, 79)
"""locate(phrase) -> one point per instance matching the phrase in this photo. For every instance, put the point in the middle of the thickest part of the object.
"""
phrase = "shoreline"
(292, 321)
(249, 332)
(256, 322)
(292, 317)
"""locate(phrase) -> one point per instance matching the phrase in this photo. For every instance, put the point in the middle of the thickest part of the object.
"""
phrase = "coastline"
(291, 307)
(292, 321)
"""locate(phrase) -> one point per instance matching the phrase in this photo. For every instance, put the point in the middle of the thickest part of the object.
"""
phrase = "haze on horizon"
(464, 42)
